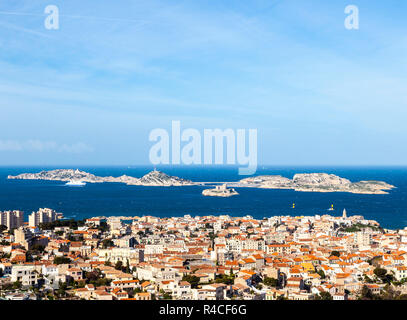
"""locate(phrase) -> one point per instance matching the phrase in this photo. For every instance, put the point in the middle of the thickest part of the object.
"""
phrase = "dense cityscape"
(318, 257)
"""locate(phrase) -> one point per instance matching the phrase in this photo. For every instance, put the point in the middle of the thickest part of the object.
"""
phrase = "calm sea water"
(119, 199)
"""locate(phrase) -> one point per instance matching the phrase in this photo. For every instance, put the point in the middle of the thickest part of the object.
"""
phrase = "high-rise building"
(12, 219)
(43, 215)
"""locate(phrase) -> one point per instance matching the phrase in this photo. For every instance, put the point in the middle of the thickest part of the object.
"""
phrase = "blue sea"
(110, 199)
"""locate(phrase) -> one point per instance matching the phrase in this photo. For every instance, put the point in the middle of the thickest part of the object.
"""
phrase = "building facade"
(12, 219)
(43, 215)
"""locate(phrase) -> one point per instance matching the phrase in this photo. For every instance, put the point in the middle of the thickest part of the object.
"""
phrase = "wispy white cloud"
(10, 145)
(79, 147)
(24, 30)
(43, 146)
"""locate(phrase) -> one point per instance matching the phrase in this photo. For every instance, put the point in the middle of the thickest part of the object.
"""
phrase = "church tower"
(344, 214)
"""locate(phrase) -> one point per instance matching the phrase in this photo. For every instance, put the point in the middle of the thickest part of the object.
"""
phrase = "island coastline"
(301, 182)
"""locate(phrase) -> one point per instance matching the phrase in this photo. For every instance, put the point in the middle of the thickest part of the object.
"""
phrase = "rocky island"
(316, 182)
(220, 191)
(309, 182)
(153, 178)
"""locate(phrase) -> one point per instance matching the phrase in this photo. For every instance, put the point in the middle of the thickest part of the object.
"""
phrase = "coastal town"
(321, 257)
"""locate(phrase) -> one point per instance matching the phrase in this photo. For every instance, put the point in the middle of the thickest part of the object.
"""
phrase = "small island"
(153, 178)
(220, 191)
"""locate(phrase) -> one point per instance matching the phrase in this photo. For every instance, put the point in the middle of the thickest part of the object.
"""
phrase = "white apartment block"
(114, 224)
(153, 249)
(120, 254)
(157, 273)
(24, 274)
(12, 219)
(43, 215)
(363, 238)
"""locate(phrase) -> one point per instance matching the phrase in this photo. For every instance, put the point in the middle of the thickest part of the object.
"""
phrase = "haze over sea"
(116, 199)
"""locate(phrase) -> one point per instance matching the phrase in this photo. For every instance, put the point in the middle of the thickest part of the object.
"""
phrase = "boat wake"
(75, 183)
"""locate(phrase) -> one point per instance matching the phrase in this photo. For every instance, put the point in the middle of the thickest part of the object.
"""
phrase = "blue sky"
(90, 92)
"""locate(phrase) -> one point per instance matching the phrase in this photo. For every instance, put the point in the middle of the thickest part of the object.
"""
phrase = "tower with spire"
(344, 215)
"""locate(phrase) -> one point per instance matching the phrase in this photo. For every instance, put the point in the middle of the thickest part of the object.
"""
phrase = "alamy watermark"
(352, 20)
(207, 150)
(52, 19)
(51, 22)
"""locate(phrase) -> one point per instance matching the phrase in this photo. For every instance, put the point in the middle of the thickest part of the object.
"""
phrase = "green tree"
(71, 224)
(193, 280)
(383, 275)
(388, 293)
(367, 279)
(271, 282)
(103, 226)
(61, 292)
(107, 243)
(167, 296)
(127, 268)
(366, 293)
(335, 253)
(223, 278)
(321, 273)
(324, 295)
(17, 285)
(92, 276)
(38, 248)
(118, 265)
(61, 260)
(380, 272)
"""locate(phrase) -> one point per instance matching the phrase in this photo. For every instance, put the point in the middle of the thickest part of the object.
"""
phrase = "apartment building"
(24, 274)
(43, 215)
(12, 219)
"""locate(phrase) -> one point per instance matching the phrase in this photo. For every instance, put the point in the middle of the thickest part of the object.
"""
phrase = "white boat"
(75, 183)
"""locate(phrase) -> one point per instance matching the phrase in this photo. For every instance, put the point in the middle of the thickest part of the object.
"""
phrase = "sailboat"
(331, 208)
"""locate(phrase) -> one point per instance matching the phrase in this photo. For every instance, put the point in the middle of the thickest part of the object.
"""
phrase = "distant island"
(316, 182)
(220, 191)
(153, 178)
(307, 182)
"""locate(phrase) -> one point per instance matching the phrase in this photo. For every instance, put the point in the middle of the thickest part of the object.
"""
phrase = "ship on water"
(75, 183)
